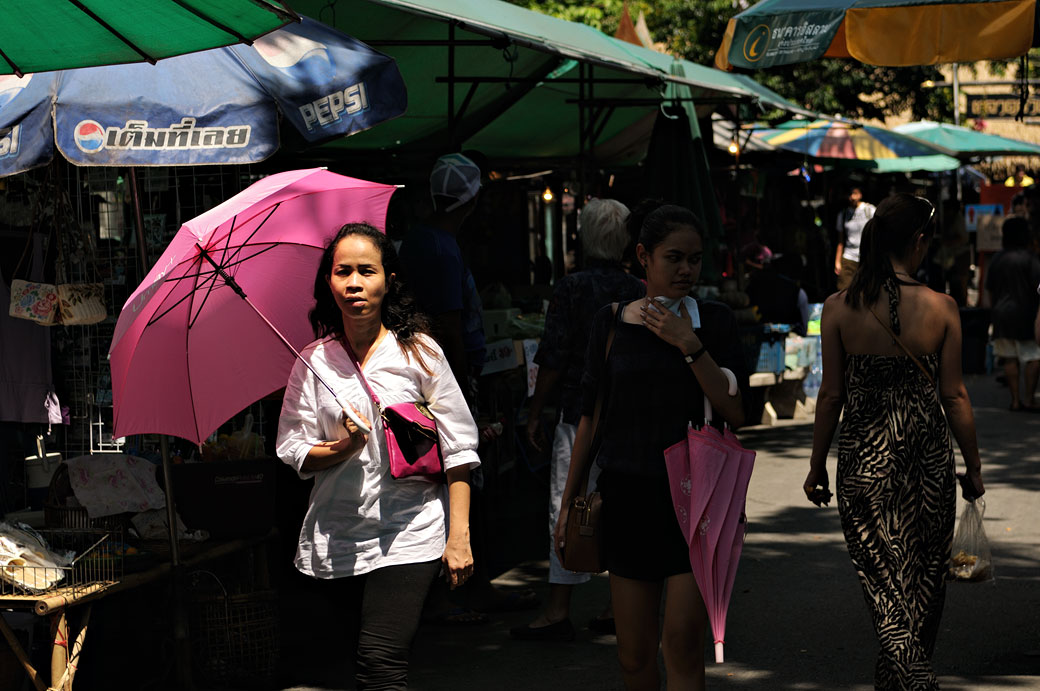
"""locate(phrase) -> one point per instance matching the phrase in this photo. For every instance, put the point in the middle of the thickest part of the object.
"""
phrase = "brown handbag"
(583, 546)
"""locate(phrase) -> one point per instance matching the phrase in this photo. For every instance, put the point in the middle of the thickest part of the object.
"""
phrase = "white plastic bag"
(971, 558)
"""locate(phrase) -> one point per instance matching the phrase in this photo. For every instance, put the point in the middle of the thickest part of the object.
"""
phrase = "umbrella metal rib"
(233, 284)
(101, 22)
(220, 25)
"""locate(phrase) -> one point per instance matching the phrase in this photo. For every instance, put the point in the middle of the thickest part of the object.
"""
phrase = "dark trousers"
(381, 611)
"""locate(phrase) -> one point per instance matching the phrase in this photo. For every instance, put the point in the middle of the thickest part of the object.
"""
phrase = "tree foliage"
(693, 29)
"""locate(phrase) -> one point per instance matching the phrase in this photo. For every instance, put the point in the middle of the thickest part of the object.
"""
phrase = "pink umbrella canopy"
(708, 474)
(189, 350)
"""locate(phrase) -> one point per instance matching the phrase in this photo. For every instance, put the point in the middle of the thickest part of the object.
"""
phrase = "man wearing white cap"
(442, 282)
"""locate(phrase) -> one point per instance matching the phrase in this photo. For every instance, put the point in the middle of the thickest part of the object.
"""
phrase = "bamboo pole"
(16, 648)
(70, 667)
(59, 648)
(49, 605)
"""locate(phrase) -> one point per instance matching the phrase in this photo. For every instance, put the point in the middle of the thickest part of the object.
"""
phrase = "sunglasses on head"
(931, 213)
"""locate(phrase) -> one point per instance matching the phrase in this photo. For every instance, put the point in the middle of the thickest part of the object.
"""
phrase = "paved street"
(797, 619)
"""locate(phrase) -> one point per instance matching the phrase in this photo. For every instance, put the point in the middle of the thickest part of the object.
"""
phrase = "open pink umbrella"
(708, 474)
(216, 323)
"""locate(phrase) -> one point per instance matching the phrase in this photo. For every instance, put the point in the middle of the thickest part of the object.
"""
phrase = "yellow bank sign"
(756, 43)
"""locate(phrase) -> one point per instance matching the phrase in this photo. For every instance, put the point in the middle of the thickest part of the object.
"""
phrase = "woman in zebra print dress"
(892, 362)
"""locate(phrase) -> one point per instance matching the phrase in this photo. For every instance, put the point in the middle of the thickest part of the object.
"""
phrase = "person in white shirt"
(851, 222)
(379, 541)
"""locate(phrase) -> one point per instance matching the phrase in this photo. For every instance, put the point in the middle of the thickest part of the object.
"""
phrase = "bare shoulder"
(942, 303)
(835, 305)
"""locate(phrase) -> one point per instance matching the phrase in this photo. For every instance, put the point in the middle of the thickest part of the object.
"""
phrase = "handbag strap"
(600, 396)
(28, 243)
(903, 346)
(361, 375)
(33, 222)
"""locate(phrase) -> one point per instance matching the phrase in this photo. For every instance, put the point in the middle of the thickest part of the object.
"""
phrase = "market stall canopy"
(44, 35)
(513, 79)
(878, 32)
(933, 164)
(843, 140)
(214, 106)
(966, 143)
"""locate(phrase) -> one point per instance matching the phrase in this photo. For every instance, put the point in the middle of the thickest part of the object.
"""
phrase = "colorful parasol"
(843, 140)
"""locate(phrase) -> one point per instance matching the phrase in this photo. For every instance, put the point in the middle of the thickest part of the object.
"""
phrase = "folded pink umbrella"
(217, 322)
(708, 474)
(691, 499)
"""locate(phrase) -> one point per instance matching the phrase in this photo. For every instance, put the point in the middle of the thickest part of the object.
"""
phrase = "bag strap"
(619, 309)
(361, 375)
(28, 244)
(37, 213)
(903, 346)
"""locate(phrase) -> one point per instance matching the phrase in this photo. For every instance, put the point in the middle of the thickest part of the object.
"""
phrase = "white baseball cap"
(456, 177)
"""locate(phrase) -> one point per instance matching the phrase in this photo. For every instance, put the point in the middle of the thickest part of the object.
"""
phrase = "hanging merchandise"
(81, 303)
(78, 303)
(38, 471)
(36, 301)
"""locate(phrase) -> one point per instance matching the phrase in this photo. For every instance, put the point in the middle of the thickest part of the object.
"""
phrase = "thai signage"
(1001, 106)
(784, 38)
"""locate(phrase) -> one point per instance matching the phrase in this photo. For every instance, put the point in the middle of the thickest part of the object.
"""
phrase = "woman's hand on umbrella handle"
(560, 534)
(357, 435)
(817, 487)
(350, 413)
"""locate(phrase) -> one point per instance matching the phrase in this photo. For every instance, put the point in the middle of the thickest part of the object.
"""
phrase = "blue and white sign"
(215, 106)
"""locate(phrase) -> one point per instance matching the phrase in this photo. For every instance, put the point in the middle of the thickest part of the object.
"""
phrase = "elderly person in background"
(561, 361)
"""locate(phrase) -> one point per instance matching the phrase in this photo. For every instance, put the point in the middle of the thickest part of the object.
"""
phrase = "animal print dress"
(897, 498)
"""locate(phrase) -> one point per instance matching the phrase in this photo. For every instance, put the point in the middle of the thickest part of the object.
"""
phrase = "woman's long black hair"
(398, 311)
(892, 232)
(652, 221)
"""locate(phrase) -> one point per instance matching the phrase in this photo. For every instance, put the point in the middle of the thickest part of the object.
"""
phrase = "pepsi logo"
(11, 86)
(89, 136)
(296, 54)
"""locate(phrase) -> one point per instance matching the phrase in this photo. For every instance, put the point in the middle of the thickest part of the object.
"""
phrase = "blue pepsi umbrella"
(214, 106)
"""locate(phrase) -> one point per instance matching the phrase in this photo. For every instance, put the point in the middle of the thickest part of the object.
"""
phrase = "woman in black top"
(659, 369)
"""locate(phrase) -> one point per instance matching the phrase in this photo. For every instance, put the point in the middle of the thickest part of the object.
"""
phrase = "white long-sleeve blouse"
(360, 518)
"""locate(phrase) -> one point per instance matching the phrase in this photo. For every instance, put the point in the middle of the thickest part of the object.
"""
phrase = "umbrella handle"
(733, 390)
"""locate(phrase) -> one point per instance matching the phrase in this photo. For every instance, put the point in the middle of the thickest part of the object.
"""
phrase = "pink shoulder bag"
(411, 434)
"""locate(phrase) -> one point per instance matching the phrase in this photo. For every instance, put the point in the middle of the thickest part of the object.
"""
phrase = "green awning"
(909, 164)
(45, 35)
(518, 77)
(966, 143)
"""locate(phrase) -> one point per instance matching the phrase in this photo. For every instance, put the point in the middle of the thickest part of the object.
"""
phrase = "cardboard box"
(496, 323)
(228, 498)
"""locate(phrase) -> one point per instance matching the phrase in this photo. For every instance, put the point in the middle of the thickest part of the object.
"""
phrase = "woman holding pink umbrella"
(378, 541)
(664, 358)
